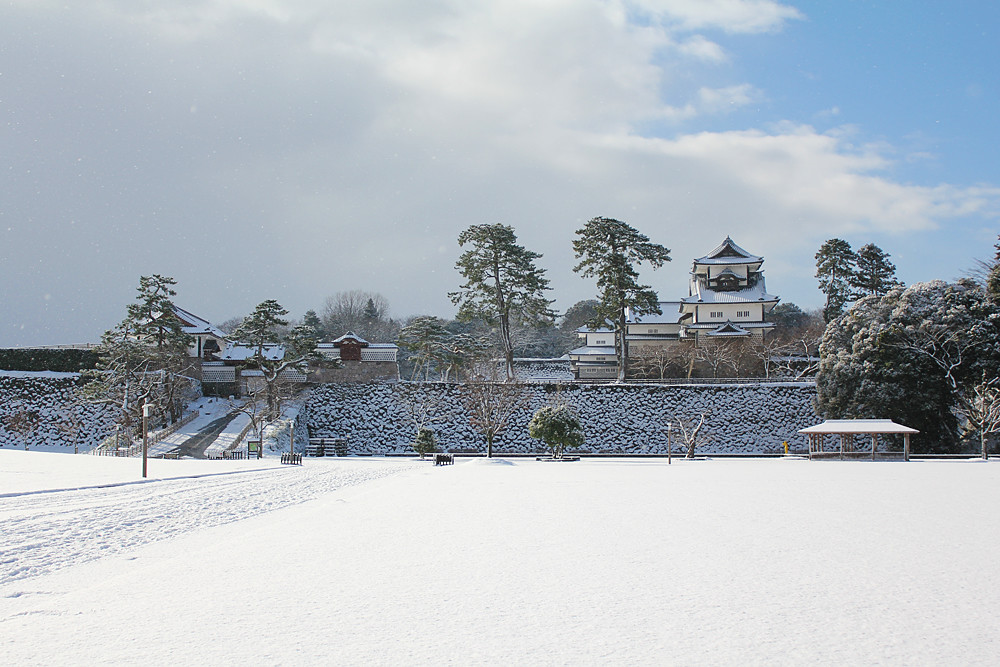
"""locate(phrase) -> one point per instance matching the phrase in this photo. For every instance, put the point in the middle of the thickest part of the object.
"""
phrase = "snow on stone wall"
(619, 419)
(50, 395)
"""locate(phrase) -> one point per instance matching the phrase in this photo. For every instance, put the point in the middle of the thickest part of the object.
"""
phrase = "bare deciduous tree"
(491, 401)
(689, 431)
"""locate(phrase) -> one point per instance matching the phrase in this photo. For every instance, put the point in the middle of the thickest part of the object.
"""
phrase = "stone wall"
(618, 419)
(51, 396)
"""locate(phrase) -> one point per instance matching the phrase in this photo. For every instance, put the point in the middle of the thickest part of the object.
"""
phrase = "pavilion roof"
(857, 426)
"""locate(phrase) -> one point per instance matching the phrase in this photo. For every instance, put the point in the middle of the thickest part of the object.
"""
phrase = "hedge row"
(64, 360)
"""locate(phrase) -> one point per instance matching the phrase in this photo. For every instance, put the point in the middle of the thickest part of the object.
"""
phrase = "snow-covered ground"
(523, 562)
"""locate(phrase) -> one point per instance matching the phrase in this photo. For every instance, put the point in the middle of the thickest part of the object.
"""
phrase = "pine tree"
(835, 267)
(427, 339)
(156, 322)
(559, 427)
(874, 274)
(144, 358)
(502, 284)
(608, 250)
(260, 330)
(311, 320)
(993, 277)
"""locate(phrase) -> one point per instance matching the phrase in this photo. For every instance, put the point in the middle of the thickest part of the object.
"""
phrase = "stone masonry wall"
(50, 395)
(618, 419)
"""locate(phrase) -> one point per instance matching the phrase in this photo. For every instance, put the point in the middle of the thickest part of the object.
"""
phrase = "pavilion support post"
(843, 439)
(874, 443)
(906, 446)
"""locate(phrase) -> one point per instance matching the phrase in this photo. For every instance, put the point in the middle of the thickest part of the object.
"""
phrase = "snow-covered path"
(209, 410)
(44, 531)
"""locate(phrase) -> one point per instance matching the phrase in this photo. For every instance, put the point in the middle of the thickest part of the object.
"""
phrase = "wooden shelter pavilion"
(847, 429)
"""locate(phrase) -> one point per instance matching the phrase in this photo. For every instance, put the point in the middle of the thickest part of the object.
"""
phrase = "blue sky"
(291, 149)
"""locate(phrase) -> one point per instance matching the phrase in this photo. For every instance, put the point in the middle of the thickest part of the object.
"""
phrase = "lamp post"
(147, 409)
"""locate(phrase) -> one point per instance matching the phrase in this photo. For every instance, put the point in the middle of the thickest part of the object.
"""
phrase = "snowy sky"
(290, 149)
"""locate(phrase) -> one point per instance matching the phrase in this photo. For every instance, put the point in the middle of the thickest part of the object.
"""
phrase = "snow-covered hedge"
(619, 419)
(51, 396)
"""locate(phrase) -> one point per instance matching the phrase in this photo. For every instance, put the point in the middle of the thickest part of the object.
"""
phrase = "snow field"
(595, 562)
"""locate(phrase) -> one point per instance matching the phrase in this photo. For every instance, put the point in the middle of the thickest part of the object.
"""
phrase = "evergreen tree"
(608, 250)
(260, 328)
(260, 331)
(874, 274)
(835, 267)
(426, 338)
(913, 355)
(154, 319)
(371, 312)
(993, 277)
(144, 358)
(503, 286)
(311, 320)
(559, 427)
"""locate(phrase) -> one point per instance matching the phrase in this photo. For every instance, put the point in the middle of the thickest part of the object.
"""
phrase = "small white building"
(596, 359)
(208, 339)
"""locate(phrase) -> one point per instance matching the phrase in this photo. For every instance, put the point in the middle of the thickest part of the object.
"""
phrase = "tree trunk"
(489, 446)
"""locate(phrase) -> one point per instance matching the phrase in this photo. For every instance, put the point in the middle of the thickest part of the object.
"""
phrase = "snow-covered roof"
(744, 325)
(195, 326)
(593, 350)
(671, 314)
(370, 346)
(756, 293)
(350, 335)
(857, 426)
(241, 352)
(729, 253)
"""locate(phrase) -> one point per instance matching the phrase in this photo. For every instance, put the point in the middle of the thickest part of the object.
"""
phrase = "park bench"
(444, 459)
(291, 459)
(327, 447)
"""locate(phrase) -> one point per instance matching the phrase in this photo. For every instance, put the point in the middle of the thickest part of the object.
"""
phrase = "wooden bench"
(327, 447)
(444, 459)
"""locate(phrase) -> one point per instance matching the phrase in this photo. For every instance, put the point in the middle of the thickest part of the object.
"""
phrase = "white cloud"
(290, 149)
(734, 16)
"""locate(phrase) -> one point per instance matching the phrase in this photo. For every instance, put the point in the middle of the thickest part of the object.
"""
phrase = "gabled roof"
(194, 325)
(350, 335)
(729, 253)
(729, 330)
